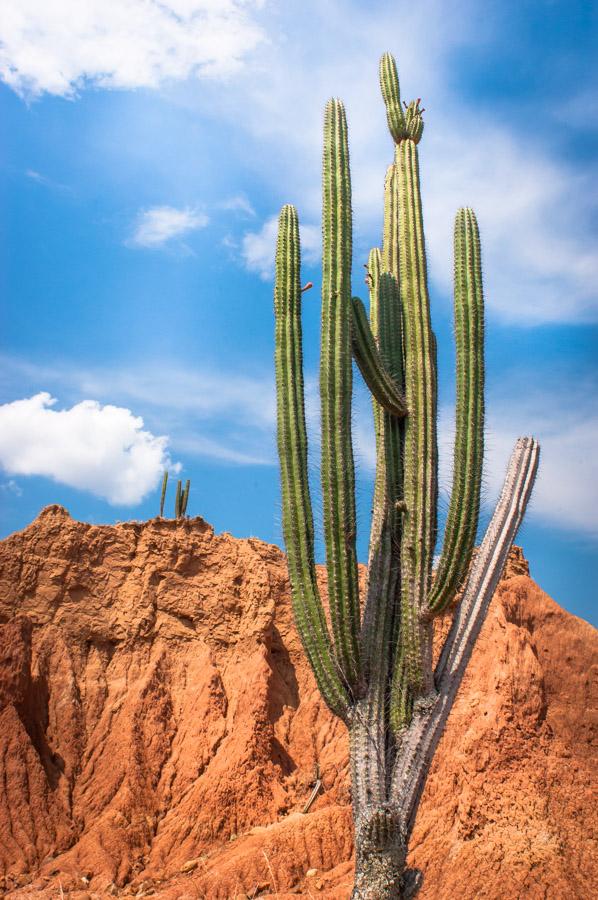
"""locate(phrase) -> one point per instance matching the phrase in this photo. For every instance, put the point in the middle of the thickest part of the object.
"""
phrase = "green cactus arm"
(383, 387)
(380, 611)
(163, 494)
(297, 519)
(389, 84)
(337, 469)
(420, 451)
(402, 125)
(185, 497)
(385, 529)
(177, 499)
(463, 514)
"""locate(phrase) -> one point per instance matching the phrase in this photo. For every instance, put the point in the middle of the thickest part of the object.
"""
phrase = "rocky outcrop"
(160, 732)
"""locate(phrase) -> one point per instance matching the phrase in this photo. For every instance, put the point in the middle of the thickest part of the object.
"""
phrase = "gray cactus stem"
(420, 741)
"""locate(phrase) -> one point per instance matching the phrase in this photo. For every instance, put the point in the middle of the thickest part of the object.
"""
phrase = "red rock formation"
(160, 731)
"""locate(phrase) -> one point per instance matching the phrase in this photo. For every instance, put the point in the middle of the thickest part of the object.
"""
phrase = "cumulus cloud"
(160, 224)
(258, 247)
(101, 449)
(56, 47)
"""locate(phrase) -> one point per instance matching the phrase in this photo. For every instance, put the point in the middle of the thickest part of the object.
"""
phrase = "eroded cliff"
(160, 732)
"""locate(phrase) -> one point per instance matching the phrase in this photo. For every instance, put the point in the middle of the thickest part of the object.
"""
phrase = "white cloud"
(160, 224)
(46, 182)
(36, 176)
(240, 203)
(59, 45)
(258, 247)
(101, 449)
(11, 487)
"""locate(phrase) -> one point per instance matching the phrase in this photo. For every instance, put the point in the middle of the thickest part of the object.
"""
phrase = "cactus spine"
(374, 666)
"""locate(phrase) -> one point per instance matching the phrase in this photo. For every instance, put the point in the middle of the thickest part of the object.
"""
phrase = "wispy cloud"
(46, 182)
(160, 224)
(258, 247)
(537, 209)
(11, 487)
(57, 47)
(539, 257)
(566, 490)
(101, 449)
(239, 203)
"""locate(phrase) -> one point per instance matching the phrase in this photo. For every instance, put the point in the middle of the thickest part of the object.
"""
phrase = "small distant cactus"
(374, 666)
(181, 497)
(163, 494)
(185, 498)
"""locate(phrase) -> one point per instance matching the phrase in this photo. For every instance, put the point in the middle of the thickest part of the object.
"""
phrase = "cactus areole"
(373, 665)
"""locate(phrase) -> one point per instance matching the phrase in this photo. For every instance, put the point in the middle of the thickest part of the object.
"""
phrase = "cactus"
(178, 499)
(163, 494)
(181, 497)
(185, 498)
(373, 666)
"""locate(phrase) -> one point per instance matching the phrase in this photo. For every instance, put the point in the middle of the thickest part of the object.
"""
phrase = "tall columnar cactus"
(374, 665)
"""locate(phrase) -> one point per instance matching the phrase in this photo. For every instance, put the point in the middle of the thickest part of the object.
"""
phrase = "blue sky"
(147, 150)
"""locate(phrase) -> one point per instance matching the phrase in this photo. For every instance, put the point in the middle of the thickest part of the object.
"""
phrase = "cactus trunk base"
(379, 866)
(380, 853)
